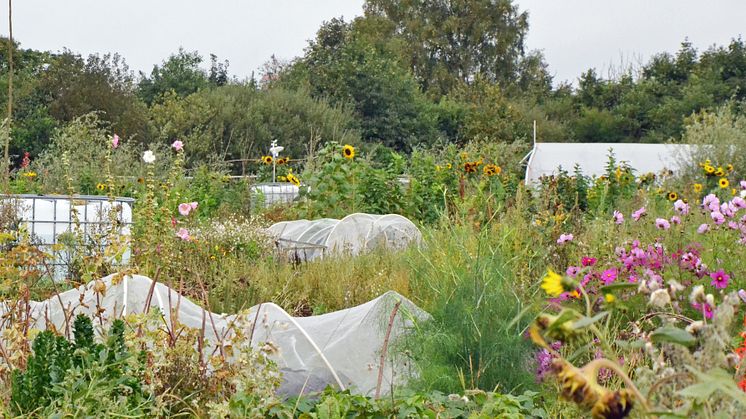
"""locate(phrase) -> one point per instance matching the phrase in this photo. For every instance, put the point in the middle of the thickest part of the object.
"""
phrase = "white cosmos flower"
(148, 157)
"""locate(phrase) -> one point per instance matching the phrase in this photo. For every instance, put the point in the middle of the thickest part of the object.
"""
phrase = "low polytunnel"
(342, 349)
(353, 234)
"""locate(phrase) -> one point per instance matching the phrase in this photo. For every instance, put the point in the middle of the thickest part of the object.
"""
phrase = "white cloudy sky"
(573, 34)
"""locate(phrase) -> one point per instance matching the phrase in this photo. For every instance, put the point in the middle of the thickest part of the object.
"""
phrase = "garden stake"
(384, 349)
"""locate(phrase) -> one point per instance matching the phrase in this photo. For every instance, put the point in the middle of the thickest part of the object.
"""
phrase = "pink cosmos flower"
(703, 228)
(183, 234)
(719, 279)
(185, 209)
(733, 225)
(675, 220)
(662, 223)
(178, 145)
(608, 276)
(564, 238)
(588, 261)
(194, 205)
(618, 217)
(639, 213)
(681, 207)
(115, 141)
(706, 308)
(738, 202)
(743, 184)
(572, 271)
(709, 199)
(717, 217)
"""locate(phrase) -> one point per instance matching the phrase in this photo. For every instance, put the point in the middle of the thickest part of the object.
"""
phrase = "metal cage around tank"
(47, 217)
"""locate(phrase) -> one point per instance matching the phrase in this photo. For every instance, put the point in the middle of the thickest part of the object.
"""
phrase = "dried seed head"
(613, 405)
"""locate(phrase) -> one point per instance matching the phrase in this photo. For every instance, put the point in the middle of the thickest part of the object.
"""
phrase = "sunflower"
(733, 191)
(470, 167)
(293, 179)
(729, 167)
(723, 183)
(100, 186)
(709, 169)
(719, 172)
(267, 159)
(552, 284)
(673, 196)
(697, 187)
(449, 166)
(140, 180)
(348, 151)
(491, 170)
(283, 160)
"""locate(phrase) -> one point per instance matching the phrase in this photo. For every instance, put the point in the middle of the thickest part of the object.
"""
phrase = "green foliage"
(60, 374)
(182, 75)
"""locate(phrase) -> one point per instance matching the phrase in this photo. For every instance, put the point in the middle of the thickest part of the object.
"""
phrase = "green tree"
(182, 74)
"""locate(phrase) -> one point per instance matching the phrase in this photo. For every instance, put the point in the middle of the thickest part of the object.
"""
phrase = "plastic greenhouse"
(342, 349)
(546, 158)
(353, 234)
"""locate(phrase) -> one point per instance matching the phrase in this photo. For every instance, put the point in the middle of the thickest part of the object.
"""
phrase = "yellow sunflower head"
(100, 186)
(348, 151)
(729, 167)
(723, 183)
(449, 166)
(293, 179)
(697, 187)
(709, 169)
(267, 159)
(719, 172)
(552, 283)
(673, 196)
(733, 191)
(283, 160)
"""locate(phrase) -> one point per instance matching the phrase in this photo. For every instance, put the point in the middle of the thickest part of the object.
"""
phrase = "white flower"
(148, 157)
(660, 298)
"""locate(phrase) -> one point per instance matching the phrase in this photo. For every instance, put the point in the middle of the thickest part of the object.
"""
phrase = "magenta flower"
(681, 207)
(703, 228)
(185, 208)
(183, 234)
(588, 261)
(717, 217)
(662, 224)
(618, 217)
(719, 279)
(639, 213)
(703, 307)
(178, 145)
(115, 141)
(564, 238)
(608, 276)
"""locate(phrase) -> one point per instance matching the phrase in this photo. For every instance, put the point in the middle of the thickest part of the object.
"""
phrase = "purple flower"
(681, 207)
(572, 271)
(639, 213)
(675, 220)
(618, 217)
(662, 223)
(703, 228)
(564, 238)
(742, 294)
(719, 279)
(608, 276)
(588, 261)
(743, 184)
(738, 202)
(717, 217)
(710, 199)
(703, 307)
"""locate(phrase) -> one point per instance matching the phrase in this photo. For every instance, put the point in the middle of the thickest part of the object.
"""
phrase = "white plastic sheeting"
(546, 158)
(341, 349)
(353, 234)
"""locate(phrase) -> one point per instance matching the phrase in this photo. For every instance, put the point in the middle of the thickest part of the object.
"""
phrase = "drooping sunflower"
(348, 151)
(673, 196)
(729, 167)
(723, 183)
(697, 187)
(267, 159)
(719, 172)
(293, 179)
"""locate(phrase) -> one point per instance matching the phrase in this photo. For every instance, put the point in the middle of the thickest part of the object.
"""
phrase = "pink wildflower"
(681, 207)
(588, 261)
(608, 276)
(115, 141)
(564, 238)
(719, 279)
(742, 294)
(675, 220)
(717, 217)
(185, 209)
(572, 271)
(178, 145)
(703, 307)
(618, 217)
(639, 213)
(662, 223)
(194, 205)
(743, 184)
(703, 228)
(183, 234)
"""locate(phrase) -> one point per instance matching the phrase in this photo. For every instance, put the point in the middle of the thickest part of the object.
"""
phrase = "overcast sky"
(573, 34)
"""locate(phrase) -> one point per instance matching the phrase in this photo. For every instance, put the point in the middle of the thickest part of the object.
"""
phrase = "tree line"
(406, 74)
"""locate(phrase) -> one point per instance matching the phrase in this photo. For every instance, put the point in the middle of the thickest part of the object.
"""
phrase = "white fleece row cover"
(354, 234)
(340, 349)
(547, 158)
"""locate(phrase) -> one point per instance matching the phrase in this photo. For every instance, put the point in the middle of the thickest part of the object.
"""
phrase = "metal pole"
(10, 87)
